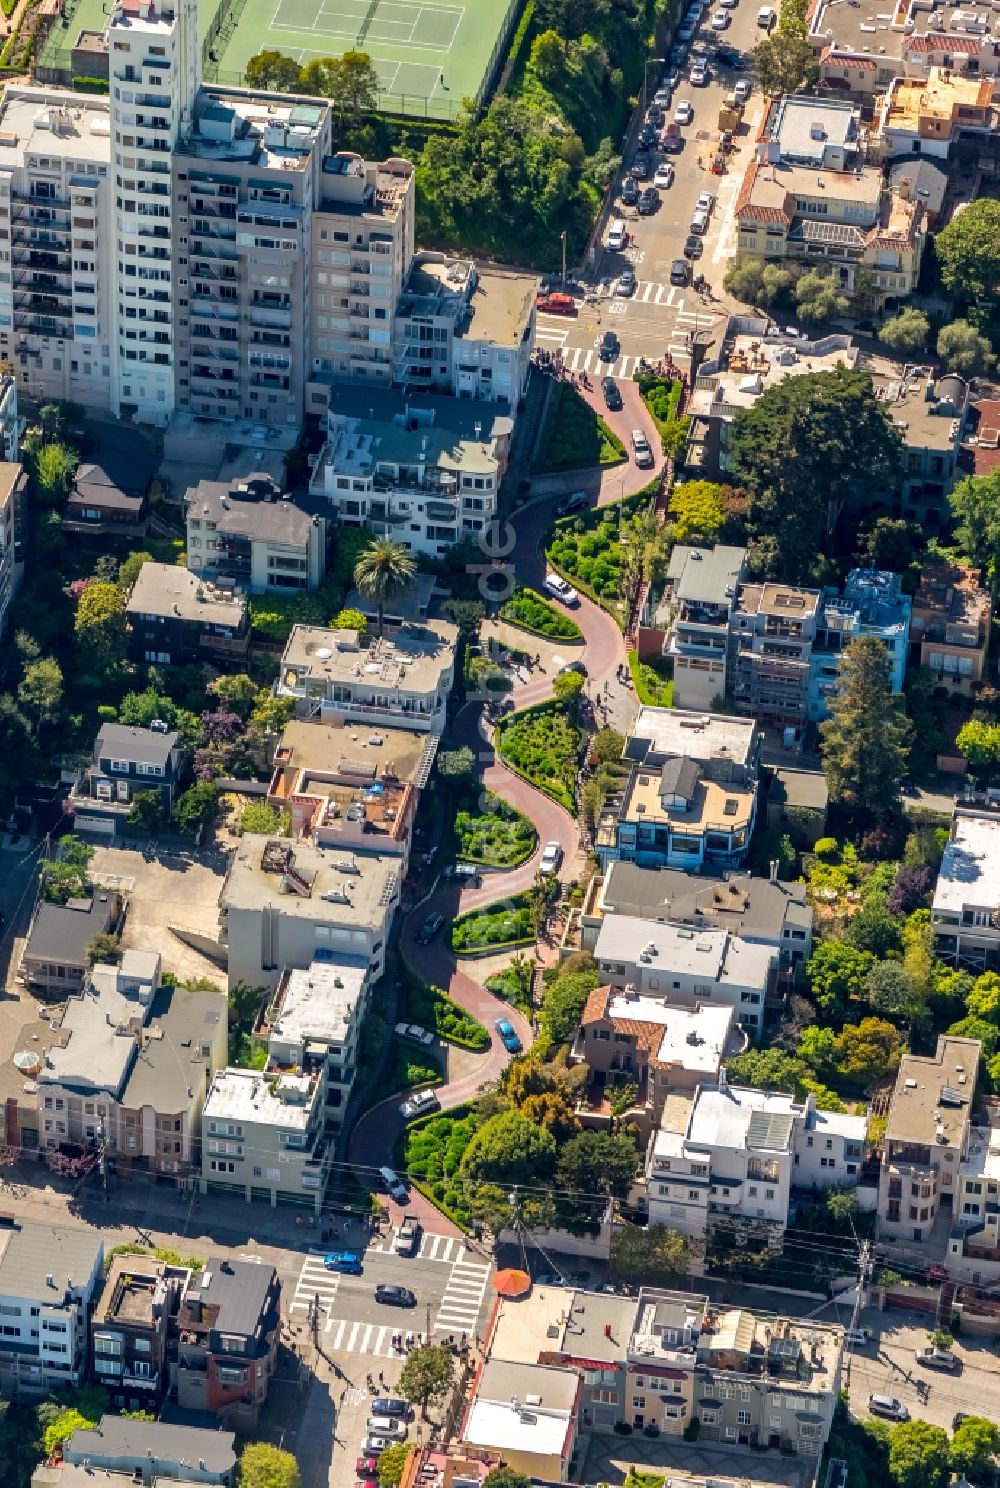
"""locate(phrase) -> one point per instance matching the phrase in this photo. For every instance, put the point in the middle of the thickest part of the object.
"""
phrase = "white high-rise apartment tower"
(155, 69)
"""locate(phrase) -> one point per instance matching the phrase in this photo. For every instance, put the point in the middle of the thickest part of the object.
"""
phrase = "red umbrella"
(512, 1283)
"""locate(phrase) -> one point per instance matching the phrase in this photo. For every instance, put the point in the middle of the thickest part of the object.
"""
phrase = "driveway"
(610, 1457)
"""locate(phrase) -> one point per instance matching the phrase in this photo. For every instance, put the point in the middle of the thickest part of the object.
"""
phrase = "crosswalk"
(463, 1297)
(374, 1340)
(432, 1247)
(314, 1281)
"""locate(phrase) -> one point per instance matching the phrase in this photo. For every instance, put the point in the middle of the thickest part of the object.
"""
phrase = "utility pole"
(102, 1156)
(864, 1267)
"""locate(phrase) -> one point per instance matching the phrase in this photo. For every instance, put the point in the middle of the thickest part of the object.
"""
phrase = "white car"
(684, 112)
(742, 90)
(551, 858)
(386, 1426)
(720, 20)
(414, 1033)
(705, 202)
(420, 1102)
(664, 175)
(729, 4)
(559, 589)
(698, 76)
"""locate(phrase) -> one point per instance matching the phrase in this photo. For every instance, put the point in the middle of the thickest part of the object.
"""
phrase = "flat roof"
(806, 128)
(706, 575)
(100, 1031)
(713, 954)
(750, 364)
(933, 1094)
(917, 404)
(701, 736)
(782, 601)
(171, 1062)
(319, 1003)
(60, 125)
(336, 748)
(953, 594)
(234, 1296)
(542, 1419)
(413, 604)
(335, 897)
(411, 660)
(62, 932)
(268, 131)
(120, 1436)
(392, 409)
(725, 1118)
(710, 806)
(779, 185)
(886, 34)
(803, 788)
(558, 1320)
(243, 508)
(939, 96)
(501, 307)
(168, 590)
(983, 1160)
(261, 1100)
(969, 875)
(30, 1253)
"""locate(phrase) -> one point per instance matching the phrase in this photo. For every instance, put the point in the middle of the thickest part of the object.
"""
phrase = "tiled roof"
(851, 59)
(745, 207)
(935, 41)
(596, 1005)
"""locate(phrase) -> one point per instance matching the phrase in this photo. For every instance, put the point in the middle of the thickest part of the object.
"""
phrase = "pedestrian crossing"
(463, 1297)
(314, 1281)
(374, 1340)
(432, 1247)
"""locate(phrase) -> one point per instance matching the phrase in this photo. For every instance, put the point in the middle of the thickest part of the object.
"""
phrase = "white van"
(766, 17)
(617, 235)
(699, 223)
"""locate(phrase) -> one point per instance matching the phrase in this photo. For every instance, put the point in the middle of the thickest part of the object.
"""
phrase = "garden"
(514, 983)
(601, 551)
(431, 1152)
(575, 437)
(652, 680)
(662, 397)
(531, 612)
(498, 837)
(544, 745)
(433, 1009)
(496, 926)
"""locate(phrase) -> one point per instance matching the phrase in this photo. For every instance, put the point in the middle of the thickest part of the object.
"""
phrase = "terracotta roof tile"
(596, 1005)
(936, 41)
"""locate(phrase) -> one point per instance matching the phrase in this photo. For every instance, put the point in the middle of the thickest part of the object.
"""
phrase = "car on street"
(508, 1036)
(559, 589)
(684, 112)
(373, 1445)
(395, 1296)
(344, 1261)
(679, 272)
(647, 135)
(933, 1358)
(551, 858)
(630, 192)
(641, 450)
(654, 116)
(386, 1426)
(888, 1406)
(392, 1405)
(617, 235)
(687, 29)
(612, 399)
(609, 346)
(728, 56)
(705, 202)
(720, 20)
(663, 95)
(575, 501)
(367, 1468)
(699, 75)
(693, 246)
(664, 177)
(766, 18)
(672, 140)
(642, 166)
(414, 1033)
(648, 202)
(418, 1104)
(429, 929)
(626, 282)
(728, 4)
(742, 90)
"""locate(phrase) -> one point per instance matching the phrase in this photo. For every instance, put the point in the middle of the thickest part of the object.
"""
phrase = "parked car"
(395, 1296)
(612, 396)
(742, 90)
(728, 56)
(414, 1033)
(374, 1446)
(720, 20)
(647, 134)
(609, 345)
(508, 1036)
(642, 167)
(648, 202)
(693, 247)
(699, 223)
(392, 1405)
(626, 281)
(664, 176)
(344, 1261)
(705, 203)
(559, 589)
(429, 929)
(641, 450)
(888, 1406)
(393, 1184)
(663, 95)
(386, 1426)
(367, 1468)
(575, 501)
(467, 872)
(684, 112)
(630, 192)
(551, 858)
(766, 18)
(933, 1358)
(616, 236)
(419, 1104)
(679, 272)
(699, 75)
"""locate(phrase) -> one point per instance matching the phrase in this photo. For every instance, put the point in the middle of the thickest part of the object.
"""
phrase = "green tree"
(270, 714)
(264, 821)
(607, 746)
(40, 690)
(865, 741)
(467, 614)
(836, 973)
(918, 1455)
(696, 511)
(100, 625)
(319, 77)
(130, 567)
(272, 72)
(906, 332)
(975, 510)
(964, 350)
(784, 64)
(974, 1449)
(818, 1048)
(262, 1465)
(567, 687)
(53, 468)
(506, 1477)
(427, 1375)
(979, 742)
(147, 812)
(196, 806)
(767, 1069)
(391, 1463)
(355, 84)
(139, 709)
(983, 1000)
(889, 990)
(757, 283)
(868, 1049)
(239, 692)
(593, 1162)
(384, 571)
(350, 620)
(874, 928)
(563, 1002)
(652, 1255)
(453, 763)
(104, 949)
(548, 56)
(800, 450)
(509, 1149)
(818, 297)
(968, 251)
(889, 543)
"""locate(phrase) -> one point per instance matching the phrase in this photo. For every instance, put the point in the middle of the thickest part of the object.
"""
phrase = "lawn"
(433, 1009)
(653, 682)
(499, 837)
(531, 612)
(508, 922)
(575, 437)
(432, 1151)
(662, 397)
(588, 549)
(544, 745)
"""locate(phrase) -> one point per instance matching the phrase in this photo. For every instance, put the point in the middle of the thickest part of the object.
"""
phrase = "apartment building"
(313, 1024)
(122, 1451)
(950, 624)
(228, 1331)
(285, 905)
(695, 612)
(174, 618)
(728, 1156)
(931, 416)
(56, 213)
(691, 797)
(528, 1413)
(927, 115)
(96, 506)
(448, 1465)
(360, 250)
(13, 514)
(252, 534)
(965, 913)
(926, 1138)
(687, 968)
(132, 1327)
(860, 53)
(349, 791)
(773, 629)
(263, 1136)
(417, 467)
(126, 760)
(400, 680)
(246, 180)
(809, 194)
(49, 1276)
(872, 604)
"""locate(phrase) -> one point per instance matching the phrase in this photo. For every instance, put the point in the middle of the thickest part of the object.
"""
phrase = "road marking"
(356, 1394)
(585, 365)
(558, 334)
(463, 1297)
(647, 290)
(618, 307)
(314, 1280)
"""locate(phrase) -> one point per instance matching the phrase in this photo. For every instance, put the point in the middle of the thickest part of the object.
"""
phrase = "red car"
(556, 304)
(366, 1467)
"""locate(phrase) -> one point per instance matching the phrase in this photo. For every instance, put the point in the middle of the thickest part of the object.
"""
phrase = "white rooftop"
(62, 126)
(714, 955)
(246, 1095)
(969, 875)
(983, 1160)
(319, 1003)
(98, 1037)
(522, 1408)
(695, 1039)
(700, 736)
(721, 1118)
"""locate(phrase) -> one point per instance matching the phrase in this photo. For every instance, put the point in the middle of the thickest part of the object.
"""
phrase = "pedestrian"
(381, 1377)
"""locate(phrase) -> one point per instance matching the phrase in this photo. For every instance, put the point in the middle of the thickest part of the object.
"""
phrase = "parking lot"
(166, 888)
(887, 1366)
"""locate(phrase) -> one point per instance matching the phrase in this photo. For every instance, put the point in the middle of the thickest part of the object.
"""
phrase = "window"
(743, 1418)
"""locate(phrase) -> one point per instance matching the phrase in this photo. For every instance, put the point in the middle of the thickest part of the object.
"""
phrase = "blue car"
(508, 1037)
(343, 1260)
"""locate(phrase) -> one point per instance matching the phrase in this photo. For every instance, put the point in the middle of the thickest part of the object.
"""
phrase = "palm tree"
(384, 571)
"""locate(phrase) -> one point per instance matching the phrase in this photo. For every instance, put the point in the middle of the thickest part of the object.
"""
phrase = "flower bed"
(498, 837)
(430, 1153)
(531, 612)
(543, 744)
(494, 927)
(653, 687)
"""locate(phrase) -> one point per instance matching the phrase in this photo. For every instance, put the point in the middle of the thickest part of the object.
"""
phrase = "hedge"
(473, 933)
(400, 1157)
(529, 611)
(561, 791)
(90, 85)
(434, 1009)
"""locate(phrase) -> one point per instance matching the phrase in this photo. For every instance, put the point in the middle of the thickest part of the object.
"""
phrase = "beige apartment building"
(263, 1136)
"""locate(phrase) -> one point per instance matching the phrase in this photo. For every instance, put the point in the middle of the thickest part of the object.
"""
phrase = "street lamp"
(645, 76)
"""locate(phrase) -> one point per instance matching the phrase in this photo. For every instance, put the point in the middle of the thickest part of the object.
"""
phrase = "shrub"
(435, 1010)
(531, 612)
(263, 820)
(544, 745)
(589, 548)
(575, 437)
(508, 923)
(653, 686)
(500, 836)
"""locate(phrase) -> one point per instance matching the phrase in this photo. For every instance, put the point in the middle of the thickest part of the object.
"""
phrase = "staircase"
(945, 1304)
